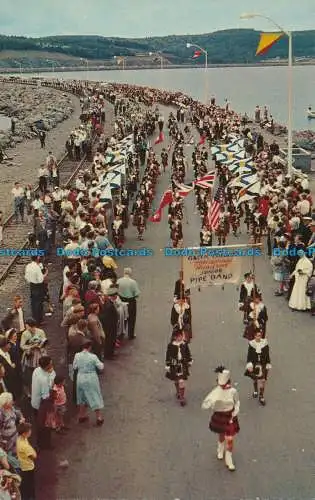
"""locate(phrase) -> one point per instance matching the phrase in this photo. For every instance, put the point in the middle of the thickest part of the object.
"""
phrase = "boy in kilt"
(178, 362)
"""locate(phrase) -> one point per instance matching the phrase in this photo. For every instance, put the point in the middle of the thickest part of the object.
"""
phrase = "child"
(60, 402)
(26, 455)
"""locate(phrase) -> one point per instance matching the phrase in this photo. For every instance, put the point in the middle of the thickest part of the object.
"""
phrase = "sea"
(243, 87)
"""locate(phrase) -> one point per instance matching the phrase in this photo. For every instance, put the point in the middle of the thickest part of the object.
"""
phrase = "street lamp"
(120, 59)
(290, 84)
(205, 52)
(17, 62)
(159, 55)
(87, 67)
(52, 65)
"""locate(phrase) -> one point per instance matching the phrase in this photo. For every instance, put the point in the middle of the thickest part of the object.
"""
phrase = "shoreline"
(27, 156)
(70, 69)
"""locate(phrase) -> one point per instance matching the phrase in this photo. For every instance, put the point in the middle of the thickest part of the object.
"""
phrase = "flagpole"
(205, 52)
(289, 34)
(290, 105)
(206, 77)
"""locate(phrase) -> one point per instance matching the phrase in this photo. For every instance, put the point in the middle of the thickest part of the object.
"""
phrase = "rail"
(25, 245)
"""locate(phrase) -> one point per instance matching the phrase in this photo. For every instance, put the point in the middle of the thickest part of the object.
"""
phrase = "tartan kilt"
(220, 423)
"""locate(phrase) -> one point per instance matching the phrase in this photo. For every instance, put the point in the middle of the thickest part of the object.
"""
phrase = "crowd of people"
(99, 307)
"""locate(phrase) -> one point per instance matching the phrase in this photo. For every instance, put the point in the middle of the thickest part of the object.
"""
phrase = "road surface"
(149, 447)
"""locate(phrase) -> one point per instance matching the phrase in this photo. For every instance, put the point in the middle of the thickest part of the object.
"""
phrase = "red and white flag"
(184, 189)
(197, 53)
(159, 139)
(166, 199)
(206, 181)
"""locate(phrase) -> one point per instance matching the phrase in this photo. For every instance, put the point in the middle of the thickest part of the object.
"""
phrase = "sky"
(144, 18)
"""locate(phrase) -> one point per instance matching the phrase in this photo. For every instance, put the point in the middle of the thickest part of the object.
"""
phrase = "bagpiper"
(141, 226)
(164, 159)
(118, 232)
(205, 237)
(224, 400)
(176, 233)
(258, 313)
(178, 362)
(258, 365)
(247, 292)
(181, 315)
(223, 227)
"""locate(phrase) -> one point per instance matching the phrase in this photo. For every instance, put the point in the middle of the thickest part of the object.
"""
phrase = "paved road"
(149, 447)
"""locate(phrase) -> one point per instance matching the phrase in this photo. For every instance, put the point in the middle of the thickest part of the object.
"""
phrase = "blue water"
(243, 87)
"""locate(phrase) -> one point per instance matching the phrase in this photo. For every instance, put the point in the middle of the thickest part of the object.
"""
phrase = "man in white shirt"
(42, 382)
(19, 201)
(303, 206)
(43, 174)
(35, 277)
(129, 291)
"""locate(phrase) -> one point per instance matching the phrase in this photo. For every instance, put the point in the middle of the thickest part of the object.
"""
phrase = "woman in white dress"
(299, 301)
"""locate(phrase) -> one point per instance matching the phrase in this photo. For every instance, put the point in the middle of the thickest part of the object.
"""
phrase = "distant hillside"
(224, 47)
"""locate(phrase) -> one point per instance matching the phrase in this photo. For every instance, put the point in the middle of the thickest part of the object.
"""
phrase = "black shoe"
(262, 401)
(255, 394)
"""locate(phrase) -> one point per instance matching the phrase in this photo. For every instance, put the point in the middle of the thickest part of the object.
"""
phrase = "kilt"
(220, 423)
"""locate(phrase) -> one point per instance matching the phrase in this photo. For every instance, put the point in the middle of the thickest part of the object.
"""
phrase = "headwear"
(223, 375)
(247, 275)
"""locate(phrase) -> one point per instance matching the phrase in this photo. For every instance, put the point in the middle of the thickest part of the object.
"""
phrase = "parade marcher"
(178, 362)
(258, 313)
(258, 365)
(223, 227)
(164, 158)
(224, 401)
(248, 291)
(181, 316)
(205, 237)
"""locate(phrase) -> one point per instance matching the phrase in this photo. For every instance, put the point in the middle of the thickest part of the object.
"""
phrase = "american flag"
(214, 208)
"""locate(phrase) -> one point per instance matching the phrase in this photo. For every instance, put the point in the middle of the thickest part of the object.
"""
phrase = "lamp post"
(159, 55)
(20, 65)
(205, 52)
(290, 84)
(87, 67)
(52, 65)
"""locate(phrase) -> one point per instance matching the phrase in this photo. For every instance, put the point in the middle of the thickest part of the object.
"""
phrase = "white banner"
(208, 271)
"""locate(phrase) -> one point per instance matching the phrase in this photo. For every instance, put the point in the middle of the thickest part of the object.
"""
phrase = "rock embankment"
(32, 108)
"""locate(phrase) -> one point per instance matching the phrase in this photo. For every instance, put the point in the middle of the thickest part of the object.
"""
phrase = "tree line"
(236, 46)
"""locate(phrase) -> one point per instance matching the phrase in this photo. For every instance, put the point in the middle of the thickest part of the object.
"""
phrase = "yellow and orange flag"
(266, 41)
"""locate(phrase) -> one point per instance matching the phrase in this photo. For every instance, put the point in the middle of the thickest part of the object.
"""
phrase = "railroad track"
(16, 235)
